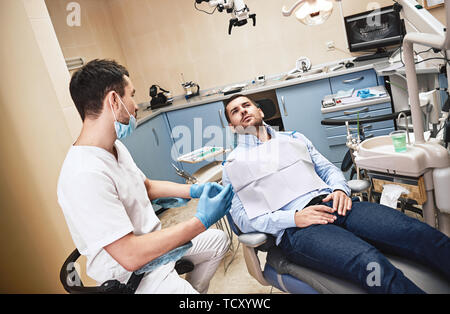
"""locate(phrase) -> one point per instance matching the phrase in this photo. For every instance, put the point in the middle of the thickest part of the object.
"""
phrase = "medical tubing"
(332, 121)
(357, 123)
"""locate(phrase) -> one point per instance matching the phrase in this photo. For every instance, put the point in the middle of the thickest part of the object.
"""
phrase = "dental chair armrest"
(253, 239)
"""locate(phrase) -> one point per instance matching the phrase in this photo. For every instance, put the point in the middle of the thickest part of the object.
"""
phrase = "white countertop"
(270, 84)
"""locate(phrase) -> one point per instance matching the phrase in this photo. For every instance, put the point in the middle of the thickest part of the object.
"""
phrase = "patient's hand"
(341, 202)
(314, 215)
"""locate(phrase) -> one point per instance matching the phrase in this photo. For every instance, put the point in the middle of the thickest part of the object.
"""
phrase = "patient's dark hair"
(227, 101)
(90, 84)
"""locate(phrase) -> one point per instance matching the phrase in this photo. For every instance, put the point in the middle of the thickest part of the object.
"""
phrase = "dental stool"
(71, 280)
(281, 273)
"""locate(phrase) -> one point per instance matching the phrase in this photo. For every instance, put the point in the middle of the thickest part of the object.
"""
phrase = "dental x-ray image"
(374, 29)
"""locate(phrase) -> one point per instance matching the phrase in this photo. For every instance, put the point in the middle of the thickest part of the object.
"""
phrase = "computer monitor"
(378, 28)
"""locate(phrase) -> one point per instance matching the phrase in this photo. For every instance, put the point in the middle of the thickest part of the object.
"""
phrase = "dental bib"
(271, 175)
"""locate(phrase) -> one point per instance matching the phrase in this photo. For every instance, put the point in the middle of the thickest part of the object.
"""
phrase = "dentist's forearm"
(157, 189)
(133, 252)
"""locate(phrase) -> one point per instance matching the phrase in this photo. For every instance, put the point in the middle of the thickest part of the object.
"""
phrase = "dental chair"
(289, 277)
(71, 280)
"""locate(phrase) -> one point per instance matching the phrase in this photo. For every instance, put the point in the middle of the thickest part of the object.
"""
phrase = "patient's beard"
(257, 130)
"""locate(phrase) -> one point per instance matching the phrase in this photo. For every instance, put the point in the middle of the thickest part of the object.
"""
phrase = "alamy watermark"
(188, 139)
(73, 275)
(373, 279)
(74, 17)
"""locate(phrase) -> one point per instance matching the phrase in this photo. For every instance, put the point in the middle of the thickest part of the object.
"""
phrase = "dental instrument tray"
(351, 98)
(201, 154)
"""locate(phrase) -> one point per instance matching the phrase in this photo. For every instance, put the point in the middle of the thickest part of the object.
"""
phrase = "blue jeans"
(350, 247)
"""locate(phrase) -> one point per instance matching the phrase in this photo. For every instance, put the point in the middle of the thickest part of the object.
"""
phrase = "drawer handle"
(284, 105)
(156, 136)
(353, 80)
(365, 109)
(220, 117)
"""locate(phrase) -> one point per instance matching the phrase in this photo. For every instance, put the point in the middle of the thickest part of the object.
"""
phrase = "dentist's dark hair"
(90, 84)
(227, 101)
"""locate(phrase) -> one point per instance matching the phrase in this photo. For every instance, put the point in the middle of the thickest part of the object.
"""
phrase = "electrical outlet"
(330, 45)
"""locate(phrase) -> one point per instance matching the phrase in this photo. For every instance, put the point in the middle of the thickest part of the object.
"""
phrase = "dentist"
(106, 199)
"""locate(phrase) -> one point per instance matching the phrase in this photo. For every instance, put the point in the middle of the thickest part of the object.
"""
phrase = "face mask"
(123, 130)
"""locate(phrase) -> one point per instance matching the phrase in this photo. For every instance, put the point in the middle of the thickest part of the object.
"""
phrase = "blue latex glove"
(197, 189)
(169, 202)
(212, 206)
(364, 93)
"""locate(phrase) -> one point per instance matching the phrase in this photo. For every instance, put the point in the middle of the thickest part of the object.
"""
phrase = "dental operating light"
(311, 12)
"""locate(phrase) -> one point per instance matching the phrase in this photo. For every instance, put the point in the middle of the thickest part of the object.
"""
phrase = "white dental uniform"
(103, 199)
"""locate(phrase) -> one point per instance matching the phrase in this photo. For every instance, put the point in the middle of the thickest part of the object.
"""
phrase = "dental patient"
(285, 187)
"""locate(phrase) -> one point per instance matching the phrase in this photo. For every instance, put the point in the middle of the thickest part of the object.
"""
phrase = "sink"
(379, 144)
(378, 154)
(303, 74)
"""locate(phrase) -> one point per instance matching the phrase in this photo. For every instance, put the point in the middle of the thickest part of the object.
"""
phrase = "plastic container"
(399, 141)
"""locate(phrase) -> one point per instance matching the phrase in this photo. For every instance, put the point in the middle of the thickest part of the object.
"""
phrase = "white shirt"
(103, 199)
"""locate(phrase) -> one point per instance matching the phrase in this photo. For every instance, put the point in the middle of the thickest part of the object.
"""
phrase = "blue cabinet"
(337, 135)
(157, 143)
(198, 126)
(300, 111)
(356, 80)
(150, 146)
(300, 107)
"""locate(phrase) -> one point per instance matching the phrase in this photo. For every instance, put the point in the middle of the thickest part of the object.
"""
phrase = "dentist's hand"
(341, 202)
(212, 206)
(196, 190)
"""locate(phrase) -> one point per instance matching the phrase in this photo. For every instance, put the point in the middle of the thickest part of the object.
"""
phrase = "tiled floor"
(232, 275)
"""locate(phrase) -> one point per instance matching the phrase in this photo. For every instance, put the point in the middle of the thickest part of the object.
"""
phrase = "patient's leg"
(336, 251)
(392, 231)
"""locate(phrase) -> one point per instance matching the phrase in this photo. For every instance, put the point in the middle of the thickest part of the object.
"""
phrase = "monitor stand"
(380, 53)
